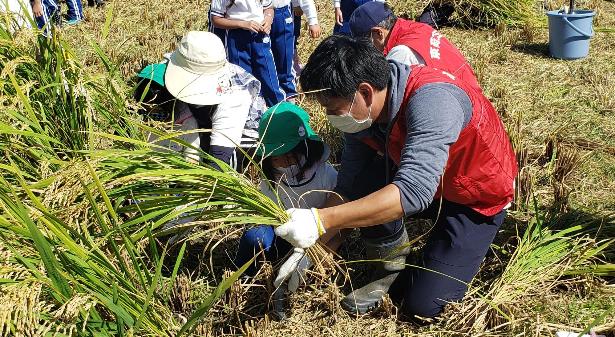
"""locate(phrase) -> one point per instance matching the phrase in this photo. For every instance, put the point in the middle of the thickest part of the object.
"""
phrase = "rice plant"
(541, 259)
(490, 13)
(83, 198)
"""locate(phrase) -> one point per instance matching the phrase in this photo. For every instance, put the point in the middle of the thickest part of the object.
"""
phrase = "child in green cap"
(294, 160)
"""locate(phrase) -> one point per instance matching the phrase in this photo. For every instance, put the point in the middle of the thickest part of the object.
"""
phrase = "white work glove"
(293, 269)
(303, 228)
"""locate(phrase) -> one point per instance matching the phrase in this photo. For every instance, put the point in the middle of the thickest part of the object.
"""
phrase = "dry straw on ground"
(539, 99)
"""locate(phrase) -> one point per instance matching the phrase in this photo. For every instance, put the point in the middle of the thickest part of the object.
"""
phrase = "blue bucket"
(569, 34)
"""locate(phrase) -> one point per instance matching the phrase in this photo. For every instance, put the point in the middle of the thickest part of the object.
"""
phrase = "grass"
(91, 258)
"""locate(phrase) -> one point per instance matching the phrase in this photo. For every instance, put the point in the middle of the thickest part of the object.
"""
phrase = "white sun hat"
(198, 72)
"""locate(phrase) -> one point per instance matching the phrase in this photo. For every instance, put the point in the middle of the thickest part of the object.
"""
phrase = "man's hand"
(252, 26)
(297, 11)
(303, 228)
(339, 17)
(315, 31)
(293, 269)
(37, 9)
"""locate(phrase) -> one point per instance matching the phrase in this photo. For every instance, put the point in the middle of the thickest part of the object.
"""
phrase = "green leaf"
(212, 298)
(108, 19)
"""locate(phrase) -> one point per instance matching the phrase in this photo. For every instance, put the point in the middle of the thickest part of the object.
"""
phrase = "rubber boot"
(393, 253)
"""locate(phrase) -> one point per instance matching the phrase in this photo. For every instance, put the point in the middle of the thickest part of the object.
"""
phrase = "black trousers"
(454, 251)
(372, 178)
(452, 256)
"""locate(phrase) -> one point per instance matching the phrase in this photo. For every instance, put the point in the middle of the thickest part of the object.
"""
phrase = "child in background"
(343, 11)
(74, 15)
(295, 163)
(46, 13)
(283, 40)
(197, 88)
(307, 7)
(248, 45)
(221, 33)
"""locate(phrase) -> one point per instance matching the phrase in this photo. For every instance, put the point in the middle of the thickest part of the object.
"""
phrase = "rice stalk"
(541, 259)
(491, 13)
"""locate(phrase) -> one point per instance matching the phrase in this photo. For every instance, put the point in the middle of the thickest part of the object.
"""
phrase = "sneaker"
(72, 22)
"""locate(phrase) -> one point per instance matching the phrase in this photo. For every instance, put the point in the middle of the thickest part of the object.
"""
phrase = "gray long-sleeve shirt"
(435, 116)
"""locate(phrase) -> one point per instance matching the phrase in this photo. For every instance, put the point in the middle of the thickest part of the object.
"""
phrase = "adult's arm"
(435, 116)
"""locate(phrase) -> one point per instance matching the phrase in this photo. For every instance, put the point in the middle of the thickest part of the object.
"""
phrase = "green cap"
(282, 127)
(154, 72)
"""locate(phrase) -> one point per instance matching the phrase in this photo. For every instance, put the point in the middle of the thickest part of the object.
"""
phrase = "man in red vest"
(419, 142)
(408, 41)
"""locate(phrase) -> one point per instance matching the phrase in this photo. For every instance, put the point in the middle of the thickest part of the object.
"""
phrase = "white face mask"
(289, 174)
(347, 123)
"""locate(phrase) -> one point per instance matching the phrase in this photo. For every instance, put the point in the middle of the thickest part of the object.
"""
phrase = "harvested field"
(550, 269)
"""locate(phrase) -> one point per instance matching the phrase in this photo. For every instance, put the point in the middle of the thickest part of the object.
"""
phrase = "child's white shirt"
(309, 10)
(245, 10)
(185, 124)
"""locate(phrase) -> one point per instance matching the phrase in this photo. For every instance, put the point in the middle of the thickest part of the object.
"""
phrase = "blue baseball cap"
(368, 16)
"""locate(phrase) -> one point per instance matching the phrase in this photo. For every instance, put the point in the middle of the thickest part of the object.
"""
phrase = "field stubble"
(561, 118)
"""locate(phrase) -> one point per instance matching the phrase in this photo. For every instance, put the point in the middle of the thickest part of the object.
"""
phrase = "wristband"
(319, 225)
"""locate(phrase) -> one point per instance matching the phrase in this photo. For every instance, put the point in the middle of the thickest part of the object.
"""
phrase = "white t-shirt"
(405, 55)
(312, 191)
(309, 10)
(245, 10)
(184, 123)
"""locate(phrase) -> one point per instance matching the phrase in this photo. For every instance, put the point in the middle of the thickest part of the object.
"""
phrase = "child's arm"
(339, 18)
(224, 23)
(218, 18)
(268, 12)
(309, 9)
(37, 8)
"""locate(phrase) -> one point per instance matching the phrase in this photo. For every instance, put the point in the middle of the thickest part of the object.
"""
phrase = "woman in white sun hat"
(210, 93)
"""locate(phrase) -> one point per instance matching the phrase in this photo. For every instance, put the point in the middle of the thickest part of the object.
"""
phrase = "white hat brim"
(193, 88)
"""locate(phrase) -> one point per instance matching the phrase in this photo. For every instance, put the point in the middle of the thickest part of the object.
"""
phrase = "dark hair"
(312, 150)
(158, 101)
(340, 63)
(389, 21)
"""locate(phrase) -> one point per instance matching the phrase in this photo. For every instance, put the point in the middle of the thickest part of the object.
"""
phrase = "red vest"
(434, 48)
(481, 166)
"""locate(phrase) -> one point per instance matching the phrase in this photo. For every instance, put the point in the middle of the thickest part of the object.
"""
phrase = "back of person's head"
(340, 63)
(373, 14)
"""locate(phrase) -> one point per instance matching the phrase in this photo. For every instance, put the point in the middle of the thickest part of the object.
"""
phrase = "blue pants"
(221, 33)
(75, 10)
(51, 13)
(347, 7)
(252, 52)
(283, 49)
(255, 239)
(456, 247)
